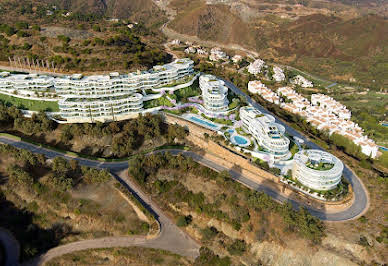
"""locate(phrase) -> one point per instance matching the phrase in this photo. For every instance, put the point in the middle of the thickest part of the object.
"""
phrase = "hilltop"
(324, 43)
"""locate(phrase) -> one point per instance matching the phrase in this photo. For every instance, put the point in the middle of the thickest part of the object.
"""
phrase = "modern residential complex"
(268, 134)
(25, 84)
(214, 94)
(322, 112)
(317, 169)
(102, 97)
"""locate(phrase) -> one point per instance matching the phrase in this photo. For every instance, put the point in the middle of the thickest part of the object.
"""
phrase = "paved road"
(361, 199)
(10, 247)
(170, 238)
(359, 205)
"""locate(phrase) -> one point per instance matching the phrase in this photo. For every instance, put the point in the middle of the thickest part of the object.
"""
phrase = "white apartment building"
(25, 83)
(216, 54)
(201, 51)
(101, 97)
(214, 94)
(256, 67)
(268, 134)
(190, 50)
(114, 96)
(256, 87)
(278, 74)
(327, 114)
(329, 103)
(302, 81)
(318, 170)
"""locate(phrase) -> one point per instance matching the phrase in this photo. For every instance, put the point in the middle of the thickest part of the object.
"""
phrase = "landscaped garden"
(32, 105)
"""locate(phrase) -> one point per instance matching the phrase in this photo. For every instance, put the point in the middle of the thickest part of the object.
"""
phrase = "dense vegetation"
(235, 205)
(122, 138)
(23, 180)
(78, 41)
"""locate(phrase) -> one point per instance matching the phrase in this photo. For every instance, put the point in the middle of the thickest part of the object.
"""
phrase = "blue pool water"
(231, 131)
(384, 124)
(383, 148)
(203, 122)
(240, 140)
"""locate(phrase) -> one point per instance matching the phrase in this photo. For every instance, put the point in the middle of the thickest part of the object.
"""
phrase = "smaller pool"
(383, 148)
(240, 140)
(230, 131)
(201, 121)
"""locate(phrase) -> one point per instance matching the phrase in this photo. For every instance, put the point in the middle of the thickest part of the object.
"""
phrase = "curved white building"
(25, 83)
(214, 94)
(100, 97)
(101, 109)
(268, 134)
(318, 170)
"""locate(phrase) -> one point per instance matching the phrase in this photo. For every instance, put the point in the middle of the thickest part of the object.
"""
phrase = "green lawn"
(32, 105)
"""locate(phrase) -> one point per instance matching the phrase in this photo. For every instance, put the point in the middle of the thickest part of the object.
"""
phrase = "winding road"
(171, 238)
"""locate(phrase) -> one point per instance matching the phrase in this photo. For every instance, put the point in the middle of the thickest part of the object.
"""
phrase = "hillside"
(213, 22)
(139, 9)
(329, 46)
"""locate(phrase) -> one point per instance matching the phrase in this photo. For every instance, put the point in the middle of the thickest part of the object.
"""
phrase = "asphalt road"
(360, 203)
(361, 199)
(170, 237)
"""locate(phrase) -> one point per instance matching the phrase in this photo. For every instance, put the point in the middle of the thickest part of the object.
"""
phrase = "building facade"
(318, 170)
(25, 83)
(214, 94)
(101, 97)
(268, 134)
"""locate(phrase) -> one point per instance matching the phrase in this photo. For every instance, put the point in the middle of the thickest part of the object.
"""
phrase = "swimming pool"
(203, 122)
(230, 131)
(240, 140)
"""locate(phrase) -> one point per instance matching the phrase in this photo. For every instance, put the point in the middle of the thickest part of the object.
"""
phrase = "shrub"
(209, 233)
(184, 221)
(207, 257)
(237, 248)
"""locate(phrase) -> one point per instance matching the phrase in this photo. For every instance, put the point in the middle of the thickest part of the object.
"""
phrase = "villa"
(256, 67)
(318, 170)
(214, 94)
(268, 134)
(324, 113)
(190, 50)
(216, 54)
(278, 75)
(302, 81)
(237, 58)
(331, 104)
(256, 87)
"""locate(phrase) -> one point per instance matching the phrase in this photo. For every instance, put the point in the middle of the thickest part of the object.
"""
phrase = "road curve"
(361, 199)
(359, 206)
(170, 237)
